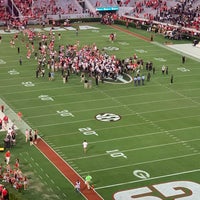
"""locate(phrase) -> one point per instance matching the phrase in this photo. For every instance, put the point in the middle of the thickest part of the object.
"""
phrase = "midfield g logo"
(108, 117)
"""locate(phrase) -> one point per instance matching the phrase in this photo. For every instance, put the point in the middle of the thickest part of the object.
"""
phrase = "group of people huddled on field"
(64, 60)
(10, 170)
(74, 59)
(11, 174)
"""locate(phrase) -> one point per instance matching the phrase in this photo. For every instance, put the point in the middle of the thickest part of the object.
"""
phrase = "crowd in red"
(181, 13)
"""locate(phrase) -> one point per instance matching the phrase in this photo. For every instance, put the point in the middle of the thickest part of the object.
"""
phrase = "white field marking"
(190, 99)
(97, 90)
(140, 163)
(64, 195)
(22, 126)
(37, 164)
(51, 190)
(136, 149)
(108, 107)
(58, 188)
(152, 122)
(153, 178)
(52, 181)
(41, 177)
(127, 137)
(116, 127)
(177, 51)
(68, 166)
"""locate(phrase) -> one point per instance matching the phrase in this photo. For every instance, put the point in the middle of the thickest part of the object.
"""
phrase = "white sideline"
(13, 118)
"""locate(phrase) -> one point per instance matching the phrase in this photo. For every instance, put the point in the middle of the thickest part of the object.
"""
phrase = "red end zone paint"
(66, 169)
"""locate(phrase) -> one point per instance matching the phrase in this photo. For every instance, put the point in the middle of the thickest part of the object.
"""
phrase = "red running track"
(66, 169)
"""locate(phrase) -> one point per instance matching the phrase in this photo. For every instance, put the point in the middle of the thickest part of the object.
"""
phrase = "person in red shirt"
(1, 123)
(4, 193)
(7, 157)
(5, 120)
(19, 114)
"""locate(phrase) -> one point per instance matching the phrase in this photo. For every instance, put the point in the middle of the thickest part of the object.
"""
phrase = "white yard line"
(152, 178)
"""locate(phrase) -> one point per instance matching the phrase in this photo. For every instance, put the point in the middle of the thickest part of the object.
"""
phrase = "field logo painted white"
(160, 59)
(65, 113)
(183, 69)
(2, 62)
(108, 117)
(177, 190)
(116, 153)
(141, 174)
(45, 98)
(13, 72)
(28, 84)
(87, 131)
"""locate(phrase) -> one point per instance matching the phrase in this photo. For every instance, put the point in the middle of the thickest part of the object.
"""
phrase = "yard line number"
(116, 153)
(87, 131)
(45, 97)
(28, 84)
(65, 113)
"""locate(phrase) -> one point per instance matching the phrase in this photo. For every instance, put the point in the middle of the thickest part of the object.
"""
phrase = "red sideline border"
(66, 170)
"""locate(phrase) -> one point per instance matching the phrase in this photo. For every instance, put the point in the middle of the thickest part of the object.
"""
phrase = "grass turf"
(157, 133)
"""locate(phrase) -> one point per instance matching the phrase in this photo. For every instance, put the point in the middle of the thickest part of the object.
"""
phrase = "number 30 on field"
(177, 190)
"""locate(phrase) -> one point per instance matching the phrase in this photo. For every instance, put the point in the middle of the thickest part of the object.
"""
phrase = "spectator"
(7, 157)
(77, 186)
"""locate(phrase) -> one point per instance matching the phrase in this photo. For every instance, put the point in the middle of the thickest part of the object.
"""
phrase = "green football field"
(143, 141)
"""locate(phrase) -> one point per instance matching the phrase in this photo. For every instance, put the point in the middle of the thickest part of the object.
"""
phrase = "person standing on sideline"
(5, 120)
(1, 124)
(7, 157)
(143, 78)
(85, 144)
(97, 80)
(148, 76)
(77, 31)
(27, 134)
(183, 59)
(35, 136)
(172, 79)
(19, 114)
(2, 108)
(166, 70)
(25, 183)
(30, 137)
(17, 163)
(20, 60)
(88, 179)
(77, 186)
